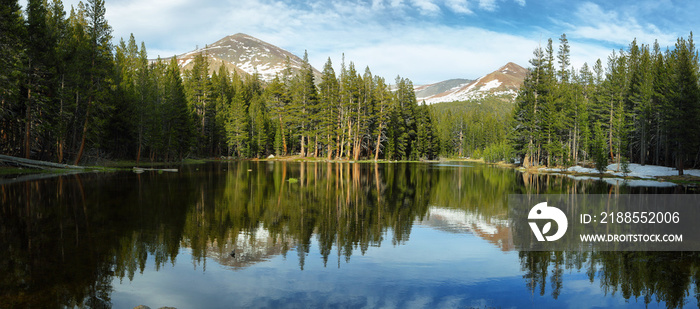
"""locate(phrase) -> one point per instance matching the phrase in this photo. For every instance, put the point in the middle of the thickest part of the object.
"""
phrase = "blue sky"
(424, 40)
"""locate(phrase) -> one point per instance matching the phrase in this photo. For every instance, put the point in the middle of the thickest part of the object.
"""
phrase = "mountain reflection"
(64, 239)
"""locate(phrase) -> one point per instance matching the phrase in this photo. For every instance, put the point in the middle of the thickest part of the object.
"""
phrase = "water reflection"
(66, 239)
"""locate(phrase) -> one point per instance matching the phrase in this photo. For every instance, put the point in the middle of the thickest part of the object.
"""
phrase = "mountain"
(495, 231)
(505, 81)
(426, 91)
(245, 54)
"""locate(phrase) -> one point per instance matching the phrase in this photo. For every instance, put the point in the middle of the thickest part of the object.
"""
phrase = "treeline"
(351, 115)
(475, 129)
(643, 108)
(56, 75)
(66, 91)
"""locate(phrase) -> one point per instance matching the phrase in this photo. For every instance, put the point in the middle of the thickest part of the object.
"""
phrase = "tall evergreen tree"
(685, 103)
(382, 112)
(198, 89)
(178, 120)
(37, 80)
(328, 103)
(99, 35)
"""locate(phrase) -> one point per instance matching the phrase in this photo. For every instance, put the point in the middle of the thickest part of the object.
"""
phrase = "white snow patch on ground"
(650, 171)
(186, 62)
(627, 182)
(636, 170)
(581, 169)
(490, 85)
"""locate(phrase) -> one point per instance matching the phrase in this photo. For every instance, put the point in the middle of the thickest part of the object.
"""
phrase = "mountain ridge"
(246, 55)
(505, 81)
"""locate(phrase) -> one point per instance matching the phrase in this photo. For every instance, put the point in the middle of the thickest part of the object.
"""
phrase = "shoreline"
(654, 173)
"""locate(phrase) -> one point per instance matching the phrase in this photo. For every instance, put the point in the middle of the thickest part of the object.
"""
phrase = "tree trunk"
(679, 158)
(330, 150)
(316, 146)
(284, 140)
(379, 143)
(138, 155)
(612, 155)
(28, 127)
(85, 127)
(643, 150)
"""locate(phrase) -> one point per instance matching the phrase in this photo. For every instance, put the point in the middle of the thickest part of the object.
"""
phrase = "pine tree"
(406, 115)
(640, 96)
(659, 102)
(278, 102)
(37, 81)
(564, 59)
(259, 126)
(329, 104)
(304, 102)
(527, 113)
(179, 120)
(382, 112)
(11, 47)
(198, 89)
(99, 35)
(223, 90)
(684, 108)
(237, 127)
(59, 33)
(146, 109)
(614, 90)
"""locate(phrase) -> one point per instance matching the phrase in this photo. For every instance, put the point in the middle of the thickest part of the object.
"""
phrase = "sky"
(424, 40)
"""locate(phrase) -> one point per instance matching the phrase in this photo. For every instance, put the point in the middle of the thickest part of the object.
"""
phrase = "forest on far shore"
(642, 107)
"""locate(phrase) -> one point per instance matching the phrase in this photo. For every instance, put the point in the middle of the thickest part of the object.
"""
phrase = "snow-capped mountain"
(426, 91)
(494, 230)
(245, 54)
(505, 81)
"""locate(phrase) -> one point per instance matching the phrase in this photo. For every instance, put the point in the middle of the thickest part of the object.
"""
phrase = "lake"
(290, 234)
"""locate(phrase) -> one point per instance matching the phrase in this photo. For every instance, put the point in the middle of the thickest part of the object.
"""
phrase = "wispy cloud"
(488, 5)
(427, 7)
(425, 40)
(595, 23)
(459, 6)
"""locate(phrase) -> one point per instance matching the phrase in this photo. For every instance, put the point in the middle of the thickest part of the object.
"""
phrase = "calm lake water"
(312, 235)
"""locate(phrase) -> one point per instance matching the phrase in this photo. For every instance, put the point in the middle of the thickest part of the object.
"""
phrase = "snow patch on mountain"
(490, 85)
(504, 82)
(246, 55)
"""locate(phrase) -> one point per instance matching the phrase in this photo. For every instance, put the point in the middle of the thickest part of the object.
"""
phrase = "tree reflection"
(64, 239)
(666, 277)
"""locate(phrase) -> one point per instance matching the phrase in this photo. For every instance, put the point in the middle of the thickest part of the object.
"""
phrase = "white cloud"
(520, 2)
(438, 53)
(488, 5)
(610, 26)
(377, 4)
(426, 7)
(459, 6)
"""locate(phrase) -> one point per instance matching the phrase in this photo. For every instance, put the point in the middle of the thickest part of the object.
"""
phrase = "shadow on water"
(65, 239)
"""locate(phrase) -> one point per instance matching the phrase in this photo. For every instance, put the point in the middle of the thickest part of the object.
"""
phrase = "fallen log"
(36, 163)
(140, 170)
